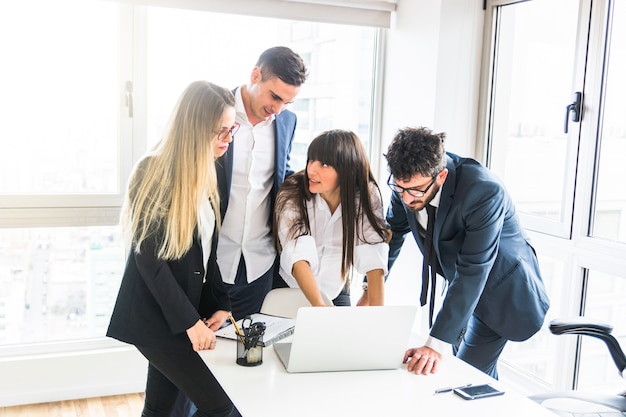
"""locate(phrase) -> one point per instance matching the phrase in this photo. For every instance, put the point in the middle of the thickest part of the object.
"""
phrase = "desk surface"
(269, 390)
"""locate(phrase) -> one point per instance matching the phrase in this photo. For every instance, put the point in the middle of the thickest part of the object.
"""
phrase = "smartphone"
(477, 391)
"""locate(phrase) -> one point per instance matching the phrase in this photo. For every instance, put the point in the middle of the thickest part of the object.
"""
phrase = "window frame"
(571, 242)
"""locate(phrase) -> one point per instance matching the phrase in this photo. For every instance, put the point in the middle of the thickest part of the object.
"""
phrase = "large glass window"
(57, 283)
(604, 301)
(184, 46)
(86, 87)
(610, 205)
(529, 149)
(59, 97)
(561, 163)
(535, 356)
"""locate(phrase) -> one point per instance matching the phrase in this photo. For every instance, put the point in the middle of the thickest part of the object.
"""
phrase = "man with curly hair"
(474, 240)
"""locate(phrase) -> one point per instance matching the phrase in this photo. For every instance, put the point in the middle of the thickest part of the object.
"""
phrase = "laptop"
(327, 339)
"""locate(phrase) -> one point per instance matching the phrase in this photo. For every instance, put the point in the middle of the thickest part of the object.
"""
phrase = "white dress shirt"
(206, 228)
(246, 229)
(323, 248)
(422, 218)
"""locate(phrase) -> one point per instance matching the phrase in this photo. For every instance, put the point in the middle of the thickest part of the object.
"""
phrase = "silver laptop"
(347, 338)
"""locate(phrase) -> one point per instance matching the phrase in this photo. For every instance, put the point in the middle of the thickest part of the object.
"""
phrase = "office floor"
(111, 406)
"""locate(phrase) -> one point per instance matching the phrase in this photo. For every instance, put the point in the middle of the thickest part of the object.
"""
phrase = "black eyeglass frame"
(413, 192)
(223, 133)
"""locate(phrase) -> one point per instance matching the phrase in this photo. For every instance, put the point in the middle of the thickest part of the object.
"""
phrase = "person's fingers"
(435, 366)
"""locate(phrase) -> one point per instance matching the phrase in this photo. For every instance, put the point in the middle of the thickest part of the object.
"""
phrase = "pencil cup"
(249, 354)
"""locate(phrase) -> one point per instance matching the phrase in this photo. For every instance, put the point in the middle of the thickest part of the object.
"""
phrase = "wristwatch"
(364, 286)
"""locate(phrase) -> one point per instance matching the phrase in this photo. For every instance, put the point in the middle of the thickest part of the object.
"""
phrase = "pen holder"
(250, 348)
(252, 356)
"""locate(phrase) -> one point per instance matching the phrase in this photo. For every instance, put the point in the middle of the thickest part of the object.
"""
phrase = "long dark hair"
(344, 151)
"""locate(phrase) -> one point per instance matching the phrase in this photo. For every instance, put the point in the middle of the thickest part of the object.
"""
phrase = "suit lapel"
(224, 169)
(280, 131)
(445, 201)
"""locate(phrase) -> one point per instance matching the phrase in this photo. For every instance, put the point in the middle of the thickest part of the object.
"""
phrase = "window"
(62, 167)
(604, 300)
(563, 170)
(59, 93)
(609, 210)
(86, 88)
(340, 59)
(532, 86)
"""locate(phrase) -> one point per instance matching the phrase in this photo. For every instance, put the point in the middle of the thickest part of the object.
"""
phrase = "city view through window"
(58, 281)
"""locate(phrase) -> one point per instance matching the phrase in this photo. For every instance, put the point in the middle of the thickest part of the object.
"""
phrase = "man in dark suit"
(250, 173)
(495, 292)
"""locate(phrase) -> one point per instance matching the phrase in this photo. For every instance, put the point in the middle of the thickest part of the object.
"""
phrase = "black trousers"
(169, 373)
(246, 298)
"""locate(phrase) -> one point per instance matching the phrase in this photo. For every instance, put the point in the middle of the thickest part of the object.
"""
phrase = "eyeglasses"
(414, 192)
(221, 135)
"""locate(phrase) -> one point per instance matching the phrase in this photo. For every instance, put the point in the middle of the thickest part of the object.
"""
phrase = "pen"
(237, 330)
(448, 389)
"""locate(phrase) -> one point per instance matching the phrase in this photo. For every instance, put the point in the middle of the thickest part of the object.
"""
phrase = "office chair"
(597, 405)
(285, 302)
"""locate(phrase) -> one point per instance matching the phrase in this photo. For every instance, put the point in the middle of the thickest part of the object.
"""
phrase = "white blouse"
(206, 228)
(322, 249)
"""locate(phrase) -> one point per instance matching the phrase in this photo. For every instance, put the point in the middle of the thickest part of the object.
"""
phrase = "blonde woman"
(329, 220)
(172, 298)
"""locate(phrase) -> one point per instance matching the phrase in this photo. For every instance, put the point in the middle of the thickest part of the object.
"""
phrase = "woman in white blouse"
(330, 223)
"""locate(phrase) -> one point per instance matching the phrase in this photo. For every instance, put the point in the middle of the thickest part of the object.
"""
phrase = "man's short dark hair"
(283, 63)
(416, 151)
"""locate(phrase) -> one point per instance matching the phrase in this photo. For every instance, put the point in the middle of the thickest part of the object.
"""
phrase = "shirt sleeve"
(302, 248)
(368, 257)
(438, 345)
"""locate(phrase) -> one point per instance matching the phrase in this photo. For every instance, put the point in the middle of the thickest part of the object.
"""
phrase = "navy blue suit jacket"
(484, 254)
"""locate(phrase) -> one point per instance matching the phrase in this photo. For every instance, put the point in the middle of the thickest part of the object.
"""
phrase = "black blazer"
(159, 300)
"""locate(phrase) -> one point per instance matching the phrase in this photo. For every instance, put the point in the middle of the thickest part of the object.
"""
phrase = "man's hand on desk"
(422, 360)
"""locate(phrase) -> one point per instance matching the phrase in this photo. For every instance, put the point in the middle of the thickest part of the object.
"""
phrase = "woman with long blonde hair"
(172, 298)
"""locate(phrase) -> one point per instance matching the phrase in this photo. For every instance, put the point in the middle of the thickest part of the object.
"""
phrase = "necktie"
(429, 265)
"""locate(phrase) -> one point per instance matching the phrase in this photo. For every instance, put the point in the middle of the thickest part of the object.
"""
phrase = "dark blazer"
(159, 300)
(484, 254)
(284, 129)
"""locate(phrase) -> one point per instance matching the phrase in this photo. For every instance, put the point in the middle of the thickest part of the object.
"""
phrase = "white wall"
(432, 68)
(33, 379)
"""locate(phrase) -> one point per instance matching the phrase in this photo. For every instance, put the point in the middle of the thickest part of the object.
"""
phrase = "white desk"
(269, 391)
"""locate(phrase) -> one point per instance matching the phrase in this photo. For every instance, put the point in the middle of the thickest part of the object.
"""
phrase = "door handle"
(576, 107)
(129, 98)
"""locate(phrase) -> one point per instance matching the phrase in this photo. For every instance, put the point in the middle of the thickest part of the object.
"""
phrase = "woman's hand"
(216, 320)
(201, 336)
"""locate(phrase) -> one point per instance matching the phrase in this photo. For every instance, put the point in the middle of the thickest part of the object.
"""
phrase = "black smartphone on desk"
(477, 391)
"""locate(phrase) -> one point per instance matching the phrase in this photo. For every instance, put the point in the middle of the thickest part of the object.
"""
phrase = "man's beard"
(419, 203)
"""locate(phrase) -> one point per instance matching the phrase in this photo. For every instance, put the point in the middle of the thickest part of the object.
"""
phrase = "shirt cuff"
(438, 345)
(369, 257)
